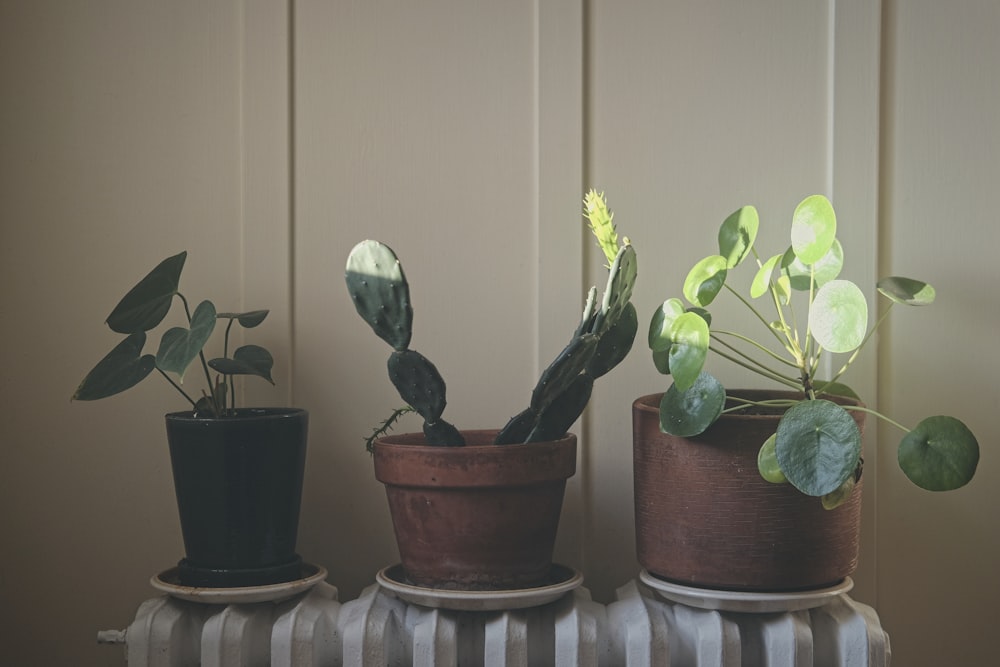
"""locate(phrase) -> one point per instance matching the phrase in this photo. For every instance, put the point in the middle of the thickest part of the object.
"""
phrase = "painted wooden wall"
(268, 137)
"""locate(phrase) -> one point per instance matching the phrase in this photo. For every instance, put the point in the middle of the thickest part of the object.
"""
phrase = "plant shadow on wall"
(237, 471)
(805, 441)
(501, 534)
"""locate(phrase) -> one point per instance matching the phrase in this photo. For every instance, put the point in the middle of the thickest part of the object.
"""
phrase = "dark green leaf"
(121, 369)
(818, 446)
(247, 360)
(906, 291)
(149, 301)
(179, 346)
(737, 234)
(940, 454)
(690, 412)
(247, 320)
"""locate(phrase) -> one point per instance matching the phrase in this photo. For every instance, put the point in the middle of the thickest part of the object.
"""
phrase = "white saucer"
(719, 600)
(391, 579)
(168, 583)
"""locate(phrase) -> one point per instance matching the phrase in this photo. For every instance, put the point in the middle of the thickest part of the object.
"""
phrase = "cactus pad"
(556, 419)
(518, 428)
(561, 372)
(615, 343)
(381, 295)
(418, 383)
(442, 434)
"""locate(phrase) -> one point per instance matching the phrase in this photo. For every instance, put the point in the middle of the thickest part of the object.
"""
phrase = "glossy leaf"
(687, 355)
(146, 304)
(120, 369)
(767, 463)
(762, 280)
(737, 234)
(179, 346)
(827, 268)
(661, 360)
(705, 280)
(247, 360)
(247, 320)
(838, 317)
(906, 291)
(818, 445)
(814, 228)
(688, 413)
(940, 454)
(661, 322)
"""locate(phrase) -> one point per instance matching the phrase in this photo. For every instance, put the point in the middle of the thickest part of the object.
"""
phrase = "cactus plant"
(380, 292)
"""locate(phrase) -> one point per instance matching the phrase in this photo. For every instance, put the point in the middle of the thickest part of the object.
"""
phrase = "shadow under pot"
(238, 482)
(704, 517)
(478, 518)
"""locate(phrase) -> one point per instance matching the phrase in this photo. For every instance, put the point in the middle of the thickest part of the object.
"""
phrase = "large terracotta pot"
(705, 517)
(238, 482)
(479, 517)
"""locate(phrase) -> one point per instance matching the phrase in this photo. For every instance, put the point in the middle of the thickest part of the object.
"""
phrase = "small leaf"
(767, 463)
(737, 234)
(661, 360)
(705, 280)
(661, 322)
(179, 346)
(907, 291)
(940, 454)
(148, 302)
(120, 369)
(247, 320)
(818, 445)
(687, 355)
(838, 316)
(247, 360)
(814, 227)
(835, 389)
(762, 280)
(840, 495)
(827, 268)
(688, 413)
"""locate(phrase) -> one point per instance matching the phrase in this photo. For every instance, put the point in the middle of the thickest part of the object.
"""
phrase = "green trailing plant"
(817, 447)
(380, 293)
(142, 309)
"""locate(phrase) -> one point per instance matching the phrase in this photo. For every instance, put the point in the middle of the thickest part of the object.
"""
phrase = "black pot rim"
(242, 415)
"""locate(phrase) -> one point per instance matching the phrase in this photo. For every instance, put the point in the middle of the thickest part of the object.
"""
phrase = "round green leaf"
(818, 445)
(662, 320)
(688, 413)
(705, 280)
(767, 463)
(940, 454)
(838, 316)
(814, 227)
(907, 291)
(762, 280)
(737, 234)
(823, 271)
(687, 354)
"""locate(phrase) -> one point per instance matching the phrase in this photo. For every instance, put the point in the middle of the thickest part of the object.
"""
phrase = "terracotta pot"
(479, 517)
(238, 483)
(705, 517)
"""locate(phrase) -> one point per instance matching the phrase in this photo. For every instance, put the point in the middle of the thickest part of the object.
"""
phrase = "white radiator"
(639, 629)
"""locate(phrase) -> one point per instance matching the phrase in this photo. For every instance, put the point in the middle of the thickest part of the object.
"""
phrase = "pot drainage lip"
(566, 579)
(744, 601)
(167, 582)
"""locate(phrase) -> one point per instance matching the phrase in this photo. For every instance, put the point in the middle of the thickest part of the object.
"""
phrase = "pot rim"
(482, 438)
(242, 415)
(651, 402)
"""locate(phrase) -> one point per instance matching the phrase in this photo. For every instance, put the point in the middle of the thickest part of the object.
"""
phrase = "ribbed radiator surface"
(638, 629)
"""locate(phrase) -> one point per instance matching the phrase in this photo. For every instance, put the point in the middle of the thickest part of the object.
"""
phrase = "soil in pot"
(705, 518)
(479, 517)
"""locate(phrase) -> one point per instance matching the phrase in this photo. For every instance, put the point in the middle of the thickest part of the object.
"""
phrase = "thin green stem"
(875, 413)
(752, 342)
(177, 387)
(204, 363)
(857, 351)
(767, 325)
(757, 368)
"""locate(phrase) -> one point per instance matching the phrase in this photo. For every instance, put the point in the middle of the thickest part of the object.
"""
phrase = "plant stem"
(757, 368)
(875, 413)
(177, 387)
(767, 325)
(204, 364)
(752, 342)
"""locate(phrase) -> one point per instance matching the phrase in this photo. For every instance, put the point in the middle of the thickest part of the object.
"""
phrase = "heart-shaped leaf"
(121, 369)
(737, 234)
(940, 454)
(247, 360)
(838, 316)
(818, 445)
(661, 322)
(827, 268)
(247, 320)
(705, 280)
(687, 355)
(906, 291)
(688, 413)
(148, 302)
(814, 227)
(767, 462)
(762, 280)
(179, 346)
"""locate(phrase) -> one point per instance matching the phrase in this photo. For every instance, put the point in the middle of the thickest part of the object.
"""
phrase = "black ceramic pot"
(238, 482)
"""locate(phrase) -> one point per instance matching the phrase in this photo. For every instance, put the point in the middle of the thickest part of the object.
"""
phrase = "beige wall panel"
(938, 580)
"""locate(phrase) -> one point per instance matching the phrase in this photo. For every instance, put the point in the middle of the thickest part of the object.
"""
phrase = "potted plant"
(478, 509)
(237, 471)
(760, 489)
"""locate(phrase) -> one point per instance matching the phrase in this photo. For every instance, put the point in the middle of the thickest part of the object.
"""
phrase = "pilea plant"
(141, 310)
(378, 287)
(817, 447)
